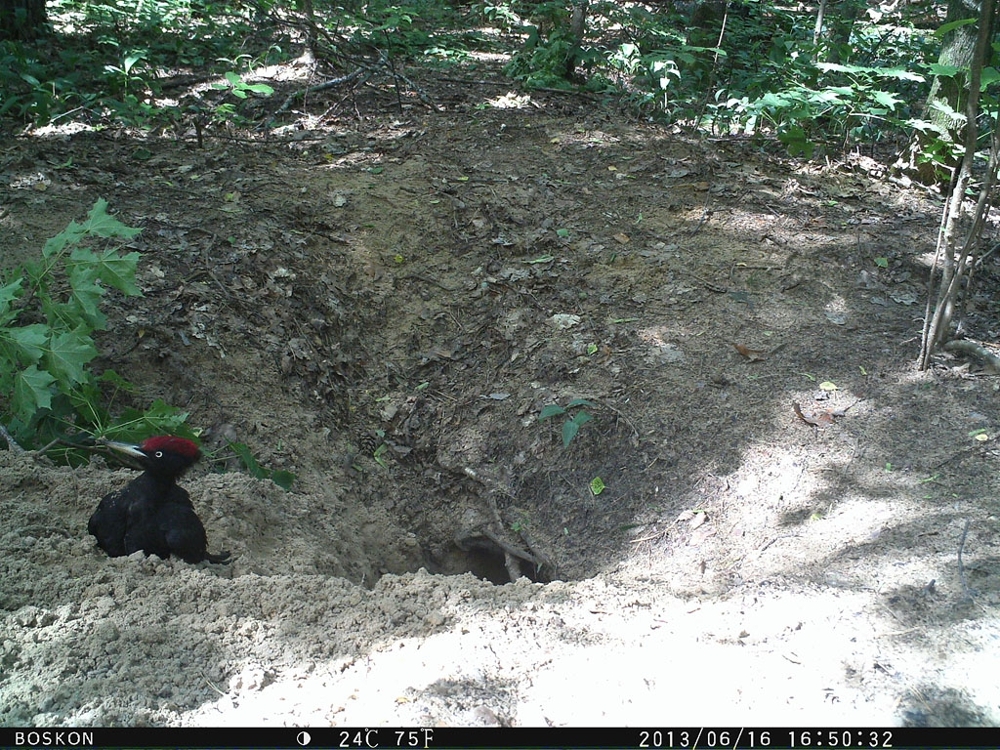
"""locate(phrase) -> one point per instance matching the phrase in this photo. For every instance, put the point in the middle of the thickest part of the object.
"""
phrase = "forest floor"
(385, 303)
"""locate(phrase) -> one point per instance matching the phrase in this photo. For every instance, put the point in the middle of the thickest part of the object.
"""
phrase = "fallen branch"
(331, 84)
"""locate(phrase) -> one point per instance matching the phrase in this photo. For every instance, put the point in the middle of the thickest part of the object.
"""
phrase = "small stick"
(212, 684)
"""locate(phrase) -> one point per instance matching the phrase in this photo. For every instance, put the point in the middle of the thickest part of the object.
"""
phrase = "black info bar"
(370, 738)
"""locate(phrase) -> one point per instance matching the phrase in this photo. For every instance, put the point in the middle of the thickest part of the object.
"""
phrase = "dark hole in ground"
(485, 560)
(485, 564)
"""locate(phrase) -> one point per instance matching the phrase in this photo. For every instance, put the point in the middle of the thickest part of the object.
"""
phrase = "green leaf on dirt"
(110, 376)
(249, 461)
(103, 225)
(97, 223)
(159, 418)
(550, 410)
(86, 293)
(281, 478)
(882, 262)
(9, 293)
(28, 342)
(597, 486)
(827, 385)
(118, 270)
(572, 427)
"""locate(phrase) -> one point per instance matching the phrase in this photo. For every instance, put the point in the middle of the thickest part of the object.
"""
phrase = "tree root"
(512, 553)
(11, 442)
(976, 351)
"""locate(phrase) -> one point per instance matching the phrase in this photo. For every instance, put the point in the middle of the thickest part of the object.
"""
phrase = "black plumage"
(152, 513)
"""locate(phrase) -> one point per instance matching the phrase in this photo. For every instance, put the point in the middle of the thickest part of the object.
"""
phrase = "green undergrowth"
(52, 397)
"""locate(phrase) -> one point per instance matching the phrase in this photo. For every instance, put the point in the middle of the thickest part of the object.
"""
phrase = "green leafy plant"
(49, 311)
(50, 396)
(125, 76)
(280, 477)
(240, 89)
(571, 427)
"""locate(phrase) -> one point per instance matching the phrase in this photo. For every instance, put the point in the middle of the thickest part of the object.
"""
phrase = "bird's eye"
(158, 454)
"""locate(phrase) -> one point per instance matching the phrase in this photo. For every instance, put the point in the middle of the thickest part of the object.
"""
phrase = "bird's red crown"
(171, 444)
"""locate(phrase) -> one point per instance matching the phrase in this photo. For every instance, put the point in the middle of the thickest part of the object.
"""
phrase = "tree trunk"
(22, 20)
(835, 21)
(955, 271)
(957, 50)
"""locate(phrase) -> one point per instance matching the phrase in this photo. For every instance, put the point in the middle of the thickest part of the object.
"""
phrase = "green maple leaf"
(27, 342)
(86, 294)
(101, 224)
(32, 391)
(159, 418)
(119, 271)
(98, 223)
(67, 354)
(69, 236)
(111, 267)
(9, 293)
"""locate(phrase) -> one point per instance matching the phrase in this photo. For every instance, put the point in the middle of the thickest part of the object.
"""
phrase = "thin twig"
(212, 685)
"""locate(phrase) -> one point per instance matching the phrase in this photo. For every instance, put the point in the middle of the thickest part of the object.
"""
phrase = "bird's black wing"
(108, 523)
(139, 517)
(182, 531)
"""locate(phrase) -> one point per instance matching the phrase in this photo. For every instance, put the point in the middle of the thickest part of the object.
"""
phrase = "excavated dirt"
(385, 304)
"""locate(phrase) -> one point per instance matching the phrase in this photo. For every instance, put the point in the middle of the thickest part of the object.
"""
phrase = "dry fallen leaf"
(821, 418)
(754, 355)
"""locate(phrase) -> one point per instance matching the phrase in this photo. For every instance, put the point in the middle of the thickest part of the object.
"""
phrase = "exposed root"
(976, 351)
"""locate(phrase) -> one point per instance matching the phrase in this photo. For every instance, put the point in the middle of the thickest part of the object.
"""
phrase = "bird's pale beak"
(127, 448)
